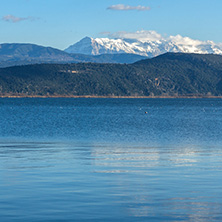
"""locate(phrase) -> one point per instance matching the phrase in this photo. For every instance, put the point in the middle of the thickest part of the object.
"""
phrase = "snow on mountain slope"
(145, 43)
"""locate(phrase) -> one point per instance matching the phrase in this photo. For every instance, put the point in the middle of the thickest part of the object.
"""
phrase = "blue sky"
(60, 23)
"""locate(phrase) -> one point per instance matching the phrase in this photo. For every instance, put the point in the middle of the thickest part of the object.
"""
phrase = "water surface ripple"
(108, 160)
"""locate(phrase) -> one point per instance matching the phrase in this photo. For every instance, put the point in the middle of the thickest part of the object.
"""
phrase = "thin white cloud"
(140, 35)
(122, 7)
(15, 19)
(105, 33)
(185, 40)
(151, 35)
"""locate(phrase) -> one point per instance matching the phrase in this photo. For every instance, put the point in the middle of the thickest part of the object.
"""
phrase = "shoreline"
(115, 97)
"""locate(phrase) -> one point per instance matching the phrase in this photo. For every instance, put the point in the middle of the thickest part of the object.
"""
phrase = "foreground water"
(109, 160)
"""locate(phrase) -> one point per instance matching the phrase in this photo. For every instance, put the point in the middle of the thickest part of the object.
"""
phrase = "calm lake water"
(109, 160)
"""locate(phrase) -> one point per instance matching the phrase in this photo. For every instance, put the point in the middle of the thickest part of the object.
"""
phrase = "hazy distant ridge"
(23, 54)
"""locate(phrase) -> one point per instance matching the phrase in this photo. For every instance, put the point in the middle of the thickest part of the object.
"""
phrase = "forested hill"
(171, 74)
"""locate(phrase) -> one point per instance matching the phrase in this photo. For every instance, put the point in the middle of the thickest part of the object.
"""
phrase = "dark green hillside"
(167, 75)
(185, 73)
(72, 79)
(209, 59)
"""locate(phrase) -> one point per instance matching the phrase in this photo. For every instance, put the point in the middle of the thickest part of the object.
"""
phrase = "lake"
(76, 159)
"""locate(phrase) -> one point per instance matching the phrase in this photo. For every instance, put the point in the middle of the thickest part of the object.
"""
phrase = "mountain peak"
(84, 46)
(87, 38)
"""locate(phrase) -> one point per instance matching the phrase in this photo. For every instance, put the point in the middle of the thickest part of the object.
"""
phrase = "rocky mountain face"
(144, 47)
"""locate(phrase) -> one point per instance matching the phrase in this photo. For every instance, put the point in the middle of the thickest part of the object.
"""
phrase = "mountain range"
(123, 48)
(149, 47)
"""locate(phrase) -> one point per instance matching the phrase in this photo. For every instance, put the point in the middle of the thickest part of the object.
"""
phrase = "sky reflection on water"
(106, 160)
(62, 181)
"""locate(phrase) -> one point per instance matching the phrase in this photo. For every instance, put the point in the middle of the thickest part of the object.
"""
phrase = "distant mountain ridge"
(24, 54)
(122, 48)
(144, 46)
(19, 51)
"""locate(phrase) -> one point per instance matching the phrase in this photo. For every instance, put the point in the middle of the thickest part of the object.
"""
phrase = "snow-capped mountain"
(145, 43)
